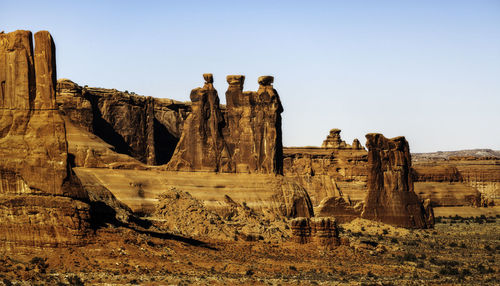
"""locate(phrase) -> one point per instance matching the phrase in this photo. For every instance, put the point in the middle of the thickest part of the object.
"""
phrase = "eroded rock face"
(36, 183)
(254, 126)
(292, 200)
(338, 207)
(327, 172)
(390, 198)
(246, 140)
(320, 230)
(202, 146)
(144, 128)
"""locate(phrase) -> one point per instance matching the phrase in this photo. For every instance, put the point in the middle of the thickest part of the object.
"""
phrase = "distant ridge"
(445, 155)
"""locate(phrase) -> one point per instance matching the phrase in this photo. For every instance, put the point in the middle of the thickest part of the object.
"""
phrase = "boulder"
(291, 200)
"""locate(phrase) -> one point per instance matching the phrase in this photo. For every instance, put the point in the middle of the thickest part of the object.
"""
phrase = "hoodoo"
(390, 196)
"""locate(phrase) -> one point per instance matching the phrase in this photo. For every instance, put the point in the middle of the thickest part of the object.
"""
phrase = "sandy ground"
(457, 251)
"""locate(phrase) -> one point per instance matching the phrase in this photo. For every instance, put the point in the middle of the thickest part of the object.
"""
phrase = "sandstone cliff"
(337, 170)
(144, 128)
(458, 180)
(37, 188)
(390, 197)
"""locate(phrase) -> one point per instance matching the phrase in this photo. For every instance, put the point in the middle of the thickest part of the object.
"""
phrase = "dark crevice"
(164, 143)
(105, 131)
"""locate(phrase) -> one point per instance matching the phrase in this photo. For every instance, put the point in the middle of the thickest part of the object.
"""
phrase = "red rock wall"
(145, 128)
(37, 189)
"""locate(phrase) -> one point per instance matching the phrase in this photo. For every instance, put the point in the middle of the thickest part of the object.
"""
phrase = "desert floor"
(458, 250)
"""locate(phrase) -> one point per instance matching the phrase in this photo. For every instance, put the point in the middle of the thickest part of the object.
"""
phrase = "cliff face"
(145, 128)
(451, 179)
(390, 197)
(37, 188)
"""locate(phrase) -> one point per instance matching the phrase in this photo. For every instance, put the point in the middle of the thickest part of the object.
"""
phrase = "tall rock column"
(202, 146)
(239, 124)
(37, 206)
(267, 126)
(254, 126)
(390, 198)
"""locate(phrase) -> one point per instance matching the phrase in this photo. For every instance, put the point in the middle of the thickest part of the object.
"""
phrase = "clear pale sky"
(428, 70)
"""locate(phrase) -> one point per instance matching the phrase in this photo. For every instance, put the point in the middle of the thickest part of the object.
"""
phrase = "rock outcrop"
(456, 178)
(333, 140)
(292, 200)
(247, 139)
(320, 230)
(144, 128)
(254, 126)
(390, 197)
(340, 208)
(202, 146)
(328, 172)
(38, 191)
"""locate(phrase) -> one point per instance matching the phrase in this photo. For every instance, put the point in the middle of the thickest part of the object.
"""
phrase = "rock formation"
(328, 172)
(144, 128)
(292, 200)
(254, 126)
(202, 146)
(390, 197)
(320, 230)
(333, 140)
(37, 188)
(246, 140)
(340, 208)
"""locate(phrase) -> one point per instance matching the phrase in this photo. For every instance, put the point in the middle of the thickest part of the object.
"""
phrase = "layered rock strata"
(390, 197)
(320, 230)
(328, 172)
(459, 177)
(38, 192)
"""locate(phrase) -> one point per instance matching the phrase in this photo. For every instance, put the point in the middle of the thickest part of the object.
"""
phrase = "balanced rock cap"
(235, 79)
(209, 78)
(266, 80)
